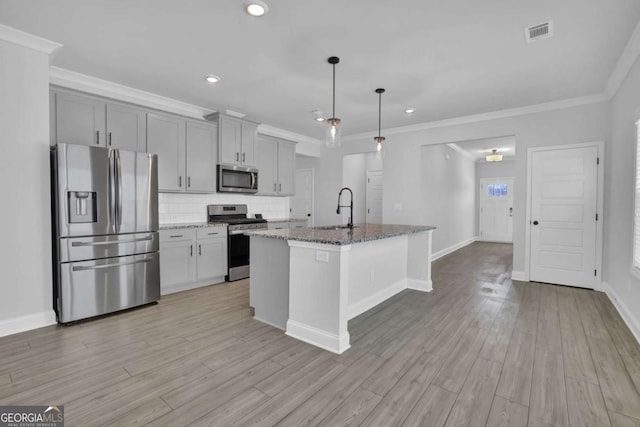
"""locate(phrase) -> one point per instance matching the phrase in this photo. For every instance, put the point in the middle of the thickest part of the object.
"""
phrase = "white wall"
(25, 217)
(503, 169)
(619, 197)
(447, 195)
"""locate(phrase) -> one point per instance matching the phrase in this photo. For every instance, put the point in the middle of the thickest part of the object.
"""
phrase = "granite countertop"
(342, 236)
(286, 219)
(190, 225)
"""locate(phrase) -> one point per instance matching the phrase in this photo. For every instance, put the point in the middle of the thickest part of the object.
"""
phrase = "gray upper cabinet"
(166, 137)
(86, 120)
(276, 166)
(236, 140)
(202, 145)
(126, 128)
(79, 120)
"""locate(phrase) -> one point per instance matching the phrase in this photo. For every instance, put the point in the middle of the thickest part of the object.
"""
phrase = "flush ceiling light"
(256, 8)
(409, 110)
(494, 156)
(212, 79)
(332, 138)
(379, 139)
(319, 119)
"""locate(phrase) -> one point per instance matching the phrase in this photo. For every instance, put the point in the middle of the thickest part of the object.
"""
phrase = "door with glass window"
(496, 210)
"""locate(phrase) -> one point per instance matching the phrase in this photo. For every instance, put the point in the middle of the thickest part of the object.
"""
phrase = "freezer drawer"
(90, 248)
(92, 288)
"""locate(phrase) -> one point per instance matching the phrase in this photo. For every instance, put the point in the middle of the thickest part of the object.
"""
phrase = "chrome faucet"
(350, 206)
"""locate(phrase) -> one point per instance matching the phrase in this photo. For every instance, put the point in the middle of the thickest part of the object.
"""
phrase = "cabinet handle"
(109, 138)
(180, 181)
(176, 236)
(237, 156)
(97, 137)
(279, 188)
(274, 187)
(243, 158)
(200, 250)
(190, 250)
(189, 182)
(213, 234)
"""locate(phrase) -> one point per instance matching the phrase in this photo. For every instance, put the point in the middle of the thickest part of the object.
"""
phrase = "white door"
(374, 196)
(564, 186)
(303, 200)
(496, 209)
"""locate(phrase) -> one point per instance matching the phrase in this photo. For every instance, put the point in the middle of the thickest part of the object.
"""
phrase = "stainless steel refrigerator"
(105, 226)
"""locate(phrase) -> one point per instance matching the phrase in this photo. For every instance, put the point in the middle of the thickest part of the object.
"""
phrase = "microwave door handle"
(253, 180)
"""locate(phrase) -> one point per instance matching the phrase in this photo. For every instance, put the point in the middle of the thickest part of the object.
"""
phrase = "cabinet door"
(229, 141)
(286, 168)
(248, 143)
(202, 144)
(126, 128)
(266, 149)
(212, 258)
(177, 263)
(166, 138)
(80, 120)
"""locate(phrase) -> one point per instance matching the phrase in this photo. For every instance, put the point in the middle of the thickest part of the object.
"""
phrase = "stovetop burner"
(234, 215)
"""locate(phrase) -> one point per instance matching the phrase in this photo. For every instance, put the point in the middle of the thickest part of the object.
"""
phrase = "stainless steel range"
(238, 242)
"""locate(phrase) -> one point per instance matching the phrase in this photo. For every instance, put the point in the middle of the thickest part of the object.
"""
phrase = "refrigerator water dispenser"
(82, 206)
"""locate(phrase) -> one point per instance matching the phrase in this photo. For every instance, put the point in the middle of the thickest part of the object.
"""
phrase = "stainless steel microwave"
(237, 179)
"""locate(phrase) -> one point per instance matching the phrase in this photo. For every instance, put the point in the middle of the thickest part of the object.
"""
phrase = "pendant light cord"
(334, 91)
(379, 112)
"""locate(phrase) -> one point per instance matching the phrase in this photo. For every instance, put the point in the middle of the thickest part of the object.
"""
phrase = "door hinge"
(597, 160)
(595, 272)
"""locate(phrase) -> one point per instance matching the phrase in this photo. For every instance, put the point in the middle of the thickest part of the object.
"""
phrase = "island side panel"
(419, 261)
(269, 282)
(378, 271)
(318, 276)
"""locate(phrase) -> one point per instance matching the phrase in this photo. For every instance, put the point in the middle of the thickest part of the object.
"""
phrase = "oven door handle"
(236, 232)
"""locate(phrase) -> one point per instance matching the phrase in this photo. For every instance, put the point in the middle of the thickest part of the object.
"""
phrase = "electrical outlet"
(322, 256)
(397, 206)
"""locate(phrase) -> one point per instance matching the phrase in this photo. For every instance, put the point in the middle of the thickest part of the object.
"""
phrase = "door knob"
(535, 223)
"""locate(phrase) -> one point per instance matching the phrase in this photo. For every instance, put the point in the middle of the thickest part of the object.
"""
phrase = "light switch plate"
(322, 256)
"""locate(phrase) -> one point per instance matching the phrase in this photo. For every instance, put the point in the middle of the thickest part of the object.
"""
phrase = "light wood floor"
(478, 350)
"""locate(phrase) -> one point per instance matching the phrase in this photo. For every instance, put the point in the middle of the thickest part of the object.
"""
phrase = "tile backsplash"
(178, 207)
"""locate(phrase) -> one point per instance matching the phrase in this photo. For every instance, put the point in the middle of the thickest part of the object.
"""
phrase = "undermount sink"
(334, 227)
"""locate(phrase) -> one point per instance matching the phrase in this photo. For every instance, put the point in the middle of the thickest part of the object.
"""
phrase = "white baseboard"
(168, 290)
(368, 303)
(420, 285)
(452, 248)
(334, 343)
(518, 275)
(26, 323)
(632, 323)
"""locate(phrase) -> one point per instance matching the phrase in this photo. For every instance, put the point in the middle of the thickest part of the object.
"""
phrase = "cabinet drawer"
(278, 225)
(177, 235)
(211, 232)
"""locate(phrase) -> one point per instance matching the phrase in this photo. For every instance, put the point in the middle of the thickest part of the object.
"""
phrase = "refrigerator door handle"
(119, 264)
(111, 188)
(113, 242)
(119, 191)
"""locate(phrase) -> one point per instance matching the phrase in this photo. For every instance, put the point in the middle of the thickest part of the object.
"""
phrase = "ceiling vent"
(538, 32)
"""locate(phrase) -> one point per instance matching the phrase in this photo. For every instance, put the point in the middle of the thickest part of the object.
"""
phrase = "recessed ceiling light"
(410, 110)
(212, 79)
(319, 119)
(256, 7)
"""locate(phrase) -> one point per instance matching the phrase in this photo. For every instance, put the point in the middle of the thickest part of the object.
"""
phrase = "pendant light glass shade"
(333, 137)
(494, 156)
(379, 139)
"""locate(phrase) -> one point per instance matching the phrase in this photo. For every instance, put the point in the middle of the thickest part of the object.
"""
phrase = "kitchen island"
(311, 281)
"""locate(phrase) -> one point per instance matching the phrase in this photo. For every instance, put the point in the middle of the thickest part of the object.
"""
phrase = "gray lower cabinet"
(191, 258)
(187, 153)
(81, 119)
(276, 164)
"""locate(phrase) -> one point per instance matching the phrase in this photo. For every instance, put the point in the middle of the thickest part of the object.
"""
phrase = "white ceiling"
(447, 58)
(478, 149)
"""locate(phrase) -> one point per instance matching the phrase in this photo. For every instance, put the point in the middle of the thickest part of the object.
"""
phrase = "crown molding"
(285, 134)
(500, 114)
(82, 82)
(11, 35)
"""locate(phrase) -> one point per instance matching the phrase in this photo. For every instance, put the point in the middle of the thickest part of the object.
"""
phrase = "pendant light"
(332, 138)
(379, 139)
(494, 156)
